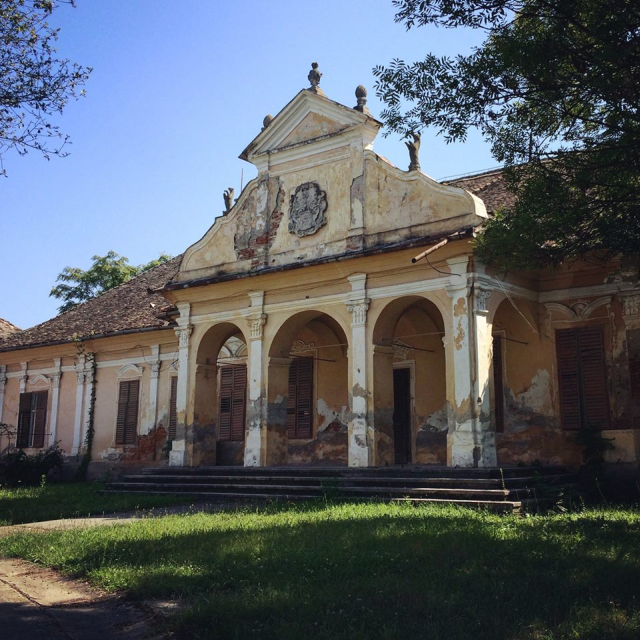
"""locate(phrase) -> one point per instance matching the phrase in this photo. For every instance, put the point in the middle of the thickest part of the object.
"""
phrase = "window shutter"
(173, 412)
(24, 421)
(127, 422)
(226, 393)
(581, 378)
(594, 386)
(238, 400)
(40, 421)
(498, 383)
(300, 402)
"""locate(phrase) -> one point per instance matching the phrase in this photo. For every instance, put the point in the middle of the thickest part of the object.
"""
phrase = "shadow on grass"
(374, 572)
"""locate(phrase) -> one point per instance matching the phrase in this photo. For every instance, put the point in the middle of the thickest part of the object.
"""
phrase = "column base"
(467, 448)
(359, 444)
(177, 457)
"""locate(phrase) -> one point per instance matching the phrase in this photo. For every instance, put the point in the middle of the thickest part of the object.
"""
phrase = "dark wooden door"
(402, 415)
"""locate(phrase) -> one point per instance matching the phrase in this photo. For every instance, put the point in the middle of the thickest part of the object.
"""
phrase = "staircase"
(510, 489)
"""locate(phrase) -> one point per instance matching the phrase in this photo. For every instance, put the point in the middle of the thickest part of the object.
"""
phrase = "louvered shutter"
(498, 383)
(594, 387)
(173, 411)
(300, 403)
(39, 404)
(127, 422)
(226, 393)
(582, 378)
(24, 421)
(238, 403)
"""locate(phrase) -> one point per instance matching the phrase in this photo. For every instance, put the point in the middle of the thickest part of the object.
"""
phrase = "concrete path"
(37, 604)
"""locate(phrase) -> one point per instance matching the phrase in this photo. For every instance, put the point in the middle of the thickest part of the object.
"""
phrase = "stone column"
(55, 401)
(255, 435)
(360, 438)
(77, 423)
(89, 380)
(177, 456)
(152, 413)
(3, 382)
(470, 441)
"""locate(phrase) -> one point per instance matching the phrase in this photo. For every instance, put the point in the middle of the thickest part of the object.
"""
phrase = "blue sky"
(179, 88)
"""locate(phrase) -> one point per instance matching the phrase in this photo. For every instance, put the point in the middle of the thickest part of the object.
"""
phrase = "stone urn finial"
(361, 96)
(314, 79)
(228, 200)
(268, 119)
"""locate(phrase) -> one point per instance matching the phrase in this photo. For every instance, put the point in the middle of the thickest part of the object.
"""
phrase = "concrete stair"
(510, 489)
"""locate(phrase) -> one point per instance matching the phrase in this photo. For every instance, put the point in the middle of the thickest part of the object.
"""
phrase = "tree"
(105, 273)
(35, 84)
(555, 89)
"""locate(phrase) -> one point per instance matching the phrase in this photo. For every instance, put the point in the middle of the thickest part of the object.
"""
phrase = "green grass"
(369, 571)
(53, 501)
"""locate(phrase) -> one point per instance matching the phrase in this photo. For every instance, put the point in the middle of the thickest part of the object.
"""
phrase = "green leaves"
(555, 85)
(105, 273)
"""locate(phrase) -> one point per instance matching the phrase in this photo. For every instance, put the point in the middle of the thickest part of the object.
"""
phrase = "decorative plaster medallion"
(631, 305)
(300, 346)
(306, 209)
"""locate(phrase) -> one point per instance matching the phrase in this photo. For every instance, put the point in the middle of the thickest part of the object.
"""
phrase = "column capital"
(358, 310)
(55, 377)
(183, 334)
(155, 368)
(256, 326)
(3, 374)
(481, 300)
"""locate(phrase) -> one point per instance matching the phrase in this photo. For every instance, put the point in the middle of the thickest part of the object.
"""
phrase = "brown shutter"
(238, 403)
(300, 403)
(173, 412)
(40, 418)
(226, 393)
(24, 421)
(127, 422)
(582, 378)
(594, 385)
(498, 384)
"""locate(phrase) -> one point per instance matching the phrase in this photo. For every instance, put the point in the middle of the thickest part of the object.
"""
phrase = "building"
(307, 326)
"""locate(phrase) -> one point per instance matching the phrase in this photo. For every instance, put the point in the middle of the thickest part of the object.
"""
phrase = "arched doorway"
(410, 408)
(308, 401)
(218, 432)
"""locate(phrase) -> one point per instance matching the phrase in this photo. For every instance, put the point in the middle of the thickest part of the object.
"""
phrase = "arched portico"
(409, 383)
(217, 432)
(307, 392)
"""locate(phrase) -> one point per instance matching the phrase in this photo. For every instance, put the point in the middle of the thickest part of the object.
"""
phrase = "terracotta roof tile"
(490, 187)
(128, 306)
(7, 329)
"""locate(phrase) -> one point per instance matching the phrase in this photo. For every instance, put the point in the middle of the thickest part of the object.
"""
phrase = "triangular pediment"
(307, 118)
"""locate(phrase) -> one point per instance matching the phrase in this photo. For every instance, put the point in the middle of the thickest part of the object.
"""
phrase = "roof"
(490, 187)
(7, 329)
(127, 307)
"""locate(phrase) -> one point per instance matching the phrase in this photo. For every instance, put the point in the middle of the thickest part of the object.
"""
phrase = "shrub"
(20, 469)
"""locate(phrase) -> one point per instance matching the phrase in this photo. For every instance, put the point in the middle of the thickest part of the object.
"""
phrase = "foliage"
(105, 273)
(20, 469)
(368, 571)
(53, 501)
(555, 89)
(35, 84)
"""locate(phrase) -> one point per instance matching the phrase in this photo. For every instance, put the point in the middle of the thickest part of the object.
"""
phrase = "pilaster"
(177, 456)
(77, 422)
(3, 382)
(55, 401)
(360, 440)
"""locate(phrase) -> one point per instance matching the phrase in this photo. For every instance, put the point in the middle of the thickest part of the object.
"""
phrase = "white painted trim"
(130, 368)
(39, 378)
(55, 402)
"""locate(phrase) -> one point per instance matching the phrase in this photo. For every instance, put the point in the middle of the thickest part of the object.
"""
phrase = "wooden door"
(402, 415)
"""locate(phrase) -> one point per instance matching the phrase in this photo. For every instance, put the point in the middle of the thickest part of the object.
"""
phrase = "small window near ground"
(127, 423)
(32, 419)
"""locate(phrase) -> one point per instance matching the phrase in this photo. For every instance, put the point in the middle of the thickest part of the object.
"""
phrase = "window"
(173, 408)
(300, 403)
(233, 386)
(32, 419)
(581, 378)
(498, 383)
(127, 423)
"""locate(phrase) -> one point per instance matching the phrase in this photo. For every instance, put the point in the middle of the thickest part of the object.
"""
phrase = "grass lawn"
(53, 501)
(369, 571)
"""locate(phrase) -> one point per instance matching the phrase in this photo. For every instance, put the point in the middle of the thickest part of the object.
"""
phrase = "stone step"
(492, 505)
(323, 481)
